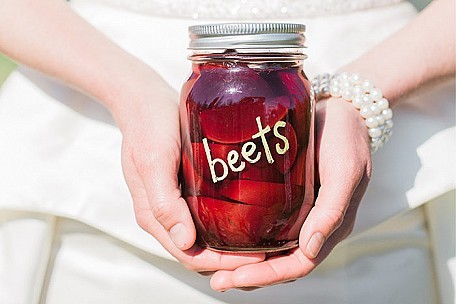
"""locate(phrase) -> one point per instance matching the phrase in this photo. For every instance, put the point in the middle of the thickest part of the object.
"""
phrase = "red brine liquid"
(247, 153)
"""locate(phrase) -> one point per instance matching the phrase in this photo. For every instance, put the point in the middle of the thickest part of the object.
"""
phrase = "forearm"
(419, 53)
(48, 36)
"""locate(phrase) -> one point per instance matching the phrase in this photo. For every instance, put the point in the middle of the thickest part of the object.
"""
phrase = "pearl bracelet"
(373, 107)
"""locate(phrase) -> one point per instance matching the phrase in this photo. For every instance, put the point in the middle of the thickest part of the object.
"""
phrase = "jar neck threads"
(249, 55)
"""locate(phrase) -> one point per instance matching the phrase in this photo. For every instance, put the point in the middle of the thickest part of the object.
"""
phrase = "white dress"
(67, 228)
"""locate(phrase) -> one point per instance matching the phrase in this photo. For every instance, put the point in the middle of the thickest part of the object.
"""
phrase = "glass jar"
(247, 136)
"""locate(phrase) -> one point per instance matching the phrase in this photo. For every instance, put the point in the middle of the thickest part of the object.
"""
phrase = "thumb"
(328, 213)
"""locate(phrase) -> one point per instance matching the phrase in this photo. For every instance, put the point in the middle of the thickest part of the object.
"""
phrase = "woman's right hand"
(151, 158)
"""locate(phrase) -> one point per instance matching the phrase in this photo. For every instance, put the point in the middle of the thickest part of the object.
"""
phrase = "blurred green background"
(6, 65)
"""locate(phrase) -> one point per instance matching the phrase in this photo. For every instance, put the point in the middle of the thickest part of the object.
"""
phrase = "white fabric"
(67, 230)
(243, 9)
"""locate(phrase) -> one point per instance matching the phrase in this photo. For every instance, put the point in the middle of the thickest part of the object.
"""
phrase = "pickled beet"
(224, 85)
(299, 91)
(265, 174)
(264, 194)
(231, 224)
(246, 131)
(236, 123)
(284, 162)
(217, 151)
(194, 184)
(297, 174)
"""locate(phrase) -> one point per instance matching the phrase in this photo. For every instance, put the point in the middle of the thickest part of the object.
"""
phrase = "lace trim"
(246, 9)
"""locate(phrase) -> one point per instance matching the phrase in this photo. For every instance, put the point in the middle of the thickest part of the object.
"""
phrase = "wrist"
(365, 97)
(137, 95)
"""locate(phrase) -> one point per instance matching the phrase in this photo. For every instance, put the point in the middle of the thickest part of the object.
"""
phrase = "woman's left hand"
(344, 168)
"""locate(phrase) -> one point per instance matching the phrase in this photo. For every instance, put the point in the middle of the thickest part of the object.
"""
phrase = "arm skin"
(422, 52)
(418, 54)
(48, 36)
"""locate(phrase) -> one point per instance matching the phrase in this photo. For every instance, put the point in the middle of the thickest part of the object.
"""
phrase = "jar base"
(264, 249)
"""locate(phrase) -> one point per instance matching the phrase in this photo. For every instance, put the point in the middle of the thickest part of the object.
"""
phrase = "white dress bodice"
(247, 9)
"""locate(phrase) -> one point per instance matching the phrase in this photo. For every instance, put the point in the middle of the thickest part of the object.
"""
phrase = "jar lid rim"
(245, 28)
(246, 35)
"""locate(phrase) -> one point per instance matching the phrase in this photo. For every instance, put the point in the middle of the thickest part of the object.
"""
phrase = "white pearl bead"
(347, 94)
(367, 100)
(365, 111)
(358, 90)
(375, 142)
(335, 91)
(371, 122)
(376, 94)
(383, 104)
(380, 119)
(334, 82)
(387, 114)
(357, 102)
(355, 78)
(325, 91)
(345, 84)
(375, 132)
(375, 110)
(367, 85)
(389, 124)
(343, 76)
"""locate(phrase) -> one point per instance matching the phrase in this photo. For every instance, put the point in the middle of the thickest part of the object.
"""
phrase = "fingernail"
(314, 245)
(178, 235)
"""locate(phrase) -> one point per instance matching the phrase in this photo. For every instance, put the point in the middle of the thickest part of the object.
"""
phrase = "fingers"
(152, 180)
(174, 210)
(196, 258)
(276, 270)
(335, 196)
(343, 162)
(325, 217)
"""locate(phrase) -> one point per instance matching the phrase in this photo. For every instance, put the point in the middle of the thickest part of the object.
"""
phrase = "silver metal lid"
(247, 36)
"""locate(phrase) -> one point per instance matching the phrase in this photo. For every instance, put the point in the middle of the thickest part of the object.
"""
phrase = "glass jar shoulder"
(218, 84)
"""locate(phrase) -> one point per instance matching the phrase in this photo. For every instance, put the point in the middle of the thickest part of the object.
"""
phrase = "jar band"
(237, 36)
(373, 107)
(246, 9)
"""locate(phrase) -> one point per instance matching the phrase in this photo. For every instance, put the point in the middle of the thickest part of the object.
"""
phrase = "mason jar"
(247, 136)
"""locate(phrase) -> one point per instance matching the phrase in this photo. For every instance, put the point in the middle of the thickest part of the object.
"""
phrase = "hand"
(151, 157)
(344, 167)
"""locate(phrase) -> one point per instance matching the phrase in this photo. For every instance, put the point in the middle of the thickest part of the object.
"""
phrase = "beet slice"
(226, 223)
(267, 173)
(236, 123)
(192, 181)
(265, 194)
(201, 162)
(283, 162)
(284, 233)
(227, 83)
(299, 91)
(194, 184)
(297, 174)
